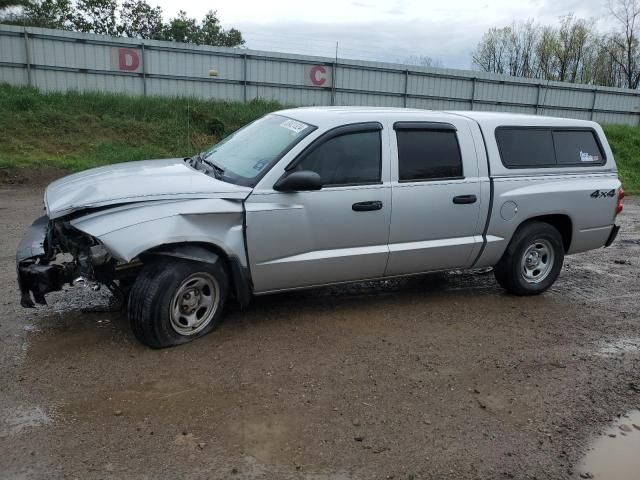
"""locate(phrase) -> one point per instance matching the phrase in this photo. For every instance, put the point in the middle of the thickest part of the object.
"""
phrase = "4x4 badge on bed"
(603, 194)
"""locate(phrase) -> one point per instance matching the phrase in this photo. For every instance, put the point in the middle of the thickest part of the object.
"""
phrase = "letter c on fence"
(318, 75)
(128, 59)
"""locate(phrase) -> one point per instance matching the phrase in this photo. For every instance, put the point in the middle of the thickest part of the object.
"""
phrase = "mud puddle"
(614, 455)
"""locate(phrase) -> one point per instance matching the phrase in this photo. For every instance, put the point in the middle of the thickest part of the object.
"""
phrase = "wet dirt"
(439, 376)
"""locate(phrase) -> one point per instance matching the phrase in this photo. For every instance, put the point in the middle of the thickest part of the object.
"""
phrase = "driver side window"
(348, 159)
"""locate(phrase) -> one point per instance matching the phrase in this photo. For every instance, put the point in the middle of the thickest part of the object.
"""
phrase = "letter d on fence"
(127, 59)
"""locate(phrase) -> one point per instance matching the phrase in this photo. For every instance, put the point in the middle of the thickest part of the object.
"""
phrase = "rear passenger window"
(526, 147)
(428, 155)
(534, 147)
(577, 147)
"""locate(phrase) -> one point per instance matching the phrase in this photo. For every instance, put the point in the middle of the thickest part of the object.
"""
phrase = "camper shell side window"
(548, 147)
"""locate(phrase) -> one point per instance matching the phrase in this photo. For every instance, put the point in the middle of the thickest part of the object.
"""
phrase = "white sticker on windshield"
(294, 126)
(587, 157)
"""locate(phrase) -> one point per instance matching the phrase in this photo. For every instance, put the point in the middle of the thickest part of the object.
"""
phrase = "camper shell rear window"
(547, 147)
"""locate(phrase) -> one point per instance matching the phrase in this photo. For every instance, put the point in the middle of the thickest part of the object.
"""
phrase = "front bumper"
(36, 276)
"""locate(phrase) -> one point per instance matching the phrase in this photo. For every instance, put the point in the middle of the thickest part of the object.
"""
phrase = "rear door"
(336, 234)
(436, 195)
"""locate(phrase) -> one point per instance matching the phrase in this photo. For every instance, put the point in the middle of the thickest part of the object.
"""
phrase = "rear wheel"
(532, 261)
(174, 301)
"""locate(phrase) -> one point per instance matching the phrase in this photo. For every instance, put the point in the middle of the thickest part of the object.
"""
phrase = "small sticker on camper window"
(587, 157)
(294, 126)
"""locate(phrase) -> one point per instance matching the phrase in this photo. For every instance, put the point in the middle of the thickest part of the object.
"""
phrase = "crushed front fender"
(32, 244)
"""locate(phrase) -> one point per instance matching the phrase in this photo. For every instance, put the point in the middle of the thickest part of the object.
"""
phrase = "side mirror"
(299, 181)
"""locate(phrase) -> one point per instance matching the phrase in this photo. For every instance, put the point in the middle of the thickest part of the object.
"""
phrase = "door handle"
(462, 199)
(367, 206)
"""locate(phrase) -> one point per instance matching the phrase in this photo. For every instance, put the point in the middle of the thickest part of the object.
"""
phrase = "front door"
(336, 234)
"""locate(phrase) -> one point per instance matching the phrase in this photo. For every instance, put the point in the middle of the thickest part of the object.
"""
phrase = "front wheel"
(532, 261)
(175, 301)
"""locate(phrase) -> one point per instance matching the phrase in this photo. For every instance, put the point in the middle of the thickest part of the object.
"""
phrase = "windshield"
(244, 156)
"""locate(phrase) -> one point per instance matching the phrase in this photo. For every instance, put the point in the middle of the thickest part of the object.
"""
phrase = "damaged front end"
(54, 253)
(101, 221)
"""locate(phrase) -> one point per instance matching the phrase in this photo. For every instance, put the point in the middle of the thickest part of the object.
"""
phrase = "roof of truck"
(521, 119)
(329, 116)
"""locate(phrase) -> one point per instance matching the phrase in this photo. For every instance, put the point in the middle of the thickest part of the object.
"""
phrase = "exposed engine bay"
(54, 253)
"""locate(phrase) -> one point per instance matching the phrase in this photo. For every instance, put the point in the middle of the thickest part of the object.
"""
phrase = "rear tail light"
(620, 197)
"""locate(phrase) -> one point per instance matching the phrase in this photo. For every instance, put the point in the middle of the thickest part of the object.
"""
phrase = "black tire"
(153, 298)
(532, 238)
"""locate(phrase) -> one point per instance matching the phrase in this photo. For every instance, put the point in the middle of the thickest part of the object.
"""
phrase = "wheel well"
(167, 247)
(239, 277)
(561, 222)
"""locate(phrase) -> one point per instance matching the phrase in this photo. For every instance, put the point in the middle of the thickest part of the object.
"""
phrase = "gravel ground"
(439, 376)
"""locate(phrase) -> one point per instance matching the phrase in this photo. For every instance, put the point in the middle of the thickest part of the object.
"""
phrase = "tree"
(571, 52)
(571, 46)
(182, 29)
(491, 51)
(186, 29)
(509, 50)
(231, 38)
(600, 66)
(44, 13)
(138, 19)
(212, 33)
(96, 16)
(134, 18)
(545, 51)
(12, 3)
(520, 52)
(624, 45)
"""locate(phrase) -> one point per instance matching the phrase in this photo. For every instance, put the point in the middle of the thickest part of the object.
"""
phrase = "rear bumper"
(36, 277)
(612, 235)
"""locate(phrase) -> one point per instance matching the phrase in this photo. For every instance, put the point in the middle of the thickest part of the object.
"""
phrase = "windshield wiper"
(218, 171)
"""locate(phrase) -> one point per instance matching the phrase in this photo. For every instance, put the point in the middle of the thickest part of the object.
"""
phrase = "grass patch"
(74, 131)
(625, 143)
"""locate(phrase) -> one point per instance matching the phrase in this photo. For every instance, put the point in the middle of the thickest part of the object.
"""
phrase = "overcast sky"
(392, 30)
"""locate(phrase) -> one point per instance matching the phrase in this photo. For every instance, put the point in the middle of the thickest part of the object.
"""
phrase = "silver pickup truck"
(315, 196)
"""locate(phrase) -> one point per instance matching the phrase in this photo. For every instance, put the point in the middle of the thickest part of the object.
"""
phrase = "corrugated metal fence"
(59, 60)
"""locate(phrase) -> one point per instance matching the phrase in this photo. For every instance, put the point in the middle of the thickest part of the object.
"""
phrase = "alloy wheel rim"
(194, 303)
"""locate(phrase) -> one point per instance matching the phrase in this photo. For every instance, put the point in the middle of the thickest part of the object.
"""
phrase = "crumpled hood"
(135, 182)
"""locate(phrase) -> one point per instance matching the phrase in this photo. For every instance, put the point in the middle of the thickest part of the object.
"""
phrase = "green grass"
(625, 143)
(74, 131)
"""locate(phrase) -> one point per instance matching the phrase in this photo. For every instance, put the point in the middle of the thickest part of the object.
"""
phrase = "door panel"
(313, 238)
(336, 234)
(435, 223)
(428, 230)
